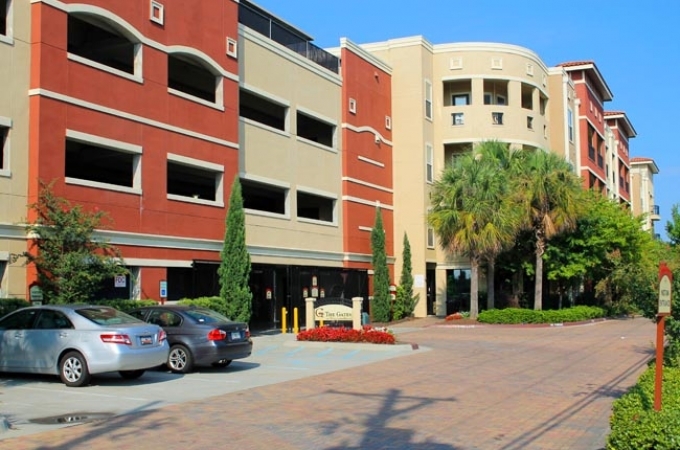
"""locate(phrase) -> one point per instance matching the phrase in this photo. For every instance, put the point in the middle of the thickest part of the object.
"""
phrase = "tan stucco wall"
(14, 74)
(284, 159)
(562, 98)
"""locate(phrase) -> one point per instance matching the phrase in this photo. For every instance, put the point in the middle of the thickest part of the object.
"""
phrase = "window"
(20, 320)
(497, 118)
(388, 122)
(262, 110)
(194, 180)
(315, 130)
(164, 318)
(157, 13)
(530, 122)
(52, 320)
(190, 77)
(4, 147)
(99, 162)
(352, 106)
(6, 18)
(3, 268)
(430, 237)
(232, 47)
(428, 99)
(429, 163)
(263, 197)
(570, 125)
(315, 207)
(527, 96)
(495, 92)
(95, 40)
(542, 103)
(460, 99)
(458, 119)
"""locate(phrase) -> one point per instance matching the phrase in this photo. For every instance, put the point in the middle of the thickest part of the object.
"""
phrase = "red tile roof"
(575, 63)
(641, 159)
(614, 113)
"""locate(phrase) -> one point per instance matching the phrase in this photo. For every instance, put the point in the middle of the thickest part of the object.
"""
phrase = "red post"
(660, 321)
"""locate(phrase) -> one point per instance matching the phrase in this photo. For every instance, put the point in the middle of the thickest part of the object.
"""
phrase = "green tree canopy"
(234, 270)
(71, 263)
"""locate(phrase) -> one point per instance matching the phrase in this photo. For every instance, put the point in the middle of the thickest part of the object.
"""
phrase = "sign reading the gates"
(333, 313)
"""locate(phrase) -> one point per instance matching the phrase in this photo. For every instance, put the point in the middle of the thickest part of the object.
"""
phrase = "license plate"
(146, 340)
(235, 335)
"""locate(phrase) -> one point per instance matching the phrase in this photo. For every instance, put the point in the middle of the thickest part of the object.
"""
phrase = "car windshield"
(206, 316)
(106, 316)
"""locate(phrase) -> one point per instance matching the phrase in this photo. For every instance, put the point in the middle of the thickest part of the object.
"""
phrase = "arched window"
(190, 76)
(98, 40)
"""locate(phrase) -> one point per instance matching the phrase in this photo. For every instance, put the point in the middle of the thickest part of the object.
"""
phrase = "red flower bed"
(342, 334)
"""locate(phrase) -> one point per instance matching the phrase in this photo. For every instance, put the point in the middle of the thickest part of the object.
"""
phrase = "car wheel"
(222, 363)
(131, 374)
(73, 370)
(180, 359)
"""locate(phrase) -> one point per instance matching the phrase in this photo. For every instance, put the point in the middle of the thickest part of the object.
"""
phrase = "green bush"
(518, 315)
(635, 425)
(214, 303)
(125, 305)
(8, 305)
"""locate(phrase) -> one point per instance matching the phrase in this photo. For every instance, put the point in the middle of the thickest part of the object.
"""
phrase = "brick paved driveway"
(479, 388)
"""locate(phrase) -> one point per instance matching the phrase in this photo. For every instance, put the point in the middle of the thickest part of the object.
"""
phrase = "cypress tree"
(380, 305)
(234, 271)
(406, 301)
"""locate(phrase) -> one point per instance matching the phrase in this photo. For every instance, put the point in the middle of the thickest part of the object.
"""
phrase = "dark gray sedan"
(77, 341)
(198, 336)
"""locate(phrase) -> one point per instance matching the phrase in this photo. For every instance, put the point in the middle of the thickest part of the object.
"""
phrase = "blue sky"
(636, 46)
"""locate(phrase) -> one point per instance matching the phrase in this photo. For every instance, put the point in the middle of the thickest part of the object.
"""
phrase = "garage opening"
(315, 130)
(190, 77)
(310, 206)
(96, 40)
(263, 197)
(259, 109)
(192, 182)
(103, 165)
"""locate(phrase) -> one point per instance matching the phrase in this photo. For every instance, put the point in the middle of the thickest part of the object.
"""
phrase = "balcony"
(264, 23)
(654, 213)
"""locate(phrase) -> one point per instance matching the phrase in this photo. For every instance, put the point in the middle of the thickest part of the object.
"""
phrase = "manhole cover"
(74, 418)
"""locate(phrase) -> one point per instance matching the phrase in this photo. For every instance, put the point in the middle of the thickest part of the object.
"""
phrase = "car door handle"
(63, 335)
(18, 335)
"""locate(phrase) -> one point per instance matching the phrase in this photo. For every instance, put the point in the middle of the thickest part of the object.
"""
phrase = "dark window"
(312, 206)
(164, 318)
(190, 181)
(4, 8)
(98, 41)
(314, 130)
(20, 320)
(262, 110)
(52, 320)
(4, 132)
(103, 315)
(103, 165)
(138, 314)
(192, 78)
(527, 96)
(263, 197)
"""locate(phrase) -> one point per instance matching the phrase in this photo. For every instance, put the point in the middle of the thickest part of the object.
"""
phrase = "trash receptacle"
(365, 319)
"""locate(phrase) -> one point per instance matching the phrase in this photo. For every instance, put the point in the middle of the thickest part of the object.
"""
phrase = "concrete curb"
(399, 347)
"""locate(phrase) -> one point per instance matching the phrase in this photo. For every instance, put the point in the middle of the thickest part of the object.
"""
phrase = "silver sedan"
(77, 341)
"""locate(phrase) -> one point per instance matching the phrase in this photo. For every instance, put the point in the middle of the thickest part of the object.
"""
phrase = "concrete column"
(309, 313)
(356, 312)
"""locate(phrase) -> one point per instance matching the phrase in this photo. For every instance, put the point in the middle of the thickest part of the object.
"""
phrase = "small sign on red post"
(664, 309)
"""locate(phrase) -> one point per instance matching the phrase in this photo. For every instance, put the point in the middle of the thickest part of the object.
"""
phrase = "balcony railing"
(284, 35)
(655, 210)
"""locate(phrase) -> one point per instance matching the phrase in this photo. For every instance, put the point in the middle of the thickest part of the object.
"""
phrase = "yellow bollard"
(283, 320)
(295, 321)
(321, 323)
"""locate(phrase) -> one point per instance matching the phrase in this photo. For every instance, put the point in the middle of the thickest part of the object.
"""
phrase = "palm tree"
(467, 213)
(550, 192)
(508, 163)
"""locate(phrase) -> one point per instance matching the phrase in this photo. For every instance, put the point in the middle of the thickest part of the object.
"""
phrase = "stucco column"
(440, 305)
(309, 313)
(356, 312)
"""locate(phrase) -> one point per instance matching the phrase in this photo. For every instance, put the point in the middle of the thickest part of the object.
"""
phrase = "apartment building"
(642, 171)
(130, 110)
(15, 38)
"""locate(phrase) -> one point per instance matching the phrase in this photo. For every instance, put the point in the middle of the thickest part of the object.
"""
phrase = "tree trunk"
(474, 288)
(516, 289)
(538, 290)
(490, 276)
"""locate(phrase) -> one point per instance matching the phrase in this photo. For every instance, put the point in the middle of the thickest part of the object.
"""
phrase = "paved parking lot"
(34, 404)
(465, 388)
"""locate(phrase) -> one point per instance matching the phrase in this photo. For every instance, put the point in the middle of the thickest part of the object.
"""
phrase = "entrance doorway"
(431, 285)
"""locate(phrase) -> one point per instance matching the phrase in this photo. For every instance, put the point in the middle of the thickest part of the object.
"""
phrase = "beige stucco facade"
(447, 98)
(282, 159)
(14, 119)
(642, 191)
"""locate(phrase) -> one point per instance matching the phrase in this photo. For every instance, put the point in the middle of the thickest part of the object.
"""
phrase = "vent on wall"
(456, 63)
(497, 63)
(352, 106)
(530, 69)
(232, 47)
(388, 122)
(157, 13)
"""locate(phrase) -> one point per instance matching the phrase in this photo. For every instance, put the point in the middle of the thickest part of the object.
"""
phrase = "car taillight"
(116, 339)
(247, 332)
(162, 336)
(217, 335)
